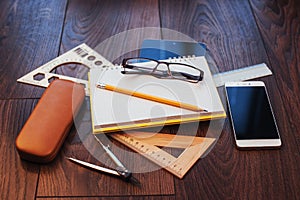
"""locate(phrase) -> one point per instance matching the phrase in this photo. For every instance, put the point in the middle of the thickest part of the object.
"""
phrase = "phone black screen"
(251, 113)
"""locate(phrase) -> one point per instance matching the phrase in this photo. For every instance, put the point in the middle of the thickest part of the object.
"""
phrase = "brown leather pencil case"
(48, 125)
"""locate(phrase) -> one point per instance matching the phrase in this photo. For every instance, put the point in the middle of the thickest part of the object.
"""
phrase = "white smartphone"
(252, 118)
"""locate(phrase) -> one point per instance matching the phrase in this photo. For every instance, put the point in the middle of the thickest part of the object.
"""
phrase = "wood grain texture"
(233, 39)
(230, 31)
(227, 27)
(69, 179)
(279, 24)
(238, 33)
(64, 178)
(94, 22)
(91, 23)
(18, 179)
(30, 34)
(148, 197)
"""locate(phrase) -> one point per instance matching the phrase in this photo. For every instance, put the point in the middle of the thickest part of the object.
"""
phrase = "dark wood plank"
(30, 36)
(18, 178)
(92, 22)
(63, 178)
(96, 21)
(30, 33)
(229, 29)
(111, 198)
(250, 174)
(279, 24)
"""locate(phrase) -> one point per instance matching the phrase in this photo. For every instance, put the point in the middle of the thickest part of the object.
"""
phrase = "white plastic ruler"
(81, 54)
(88, 57)
(246, 73)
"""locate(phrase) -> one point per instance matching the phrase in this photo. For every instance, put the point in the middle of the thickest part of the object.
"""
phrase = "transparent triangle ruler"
(147, 145)
(81, 54)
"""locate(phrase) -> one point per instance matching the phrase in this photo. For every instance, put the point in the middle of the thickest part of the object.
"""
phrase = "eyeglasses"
(163, 70)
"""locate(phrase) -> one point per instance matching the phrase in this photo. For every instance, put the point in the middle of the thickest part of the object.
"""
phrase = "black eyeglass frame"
(170, 76)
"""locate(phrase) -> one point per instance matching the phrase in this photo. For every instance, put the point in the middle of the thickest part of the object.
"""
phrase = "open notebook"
(112, 111)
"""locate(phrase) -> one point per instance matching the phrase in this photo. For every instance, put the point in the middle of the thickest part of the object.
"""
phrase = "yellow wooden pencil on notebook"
(151, 97)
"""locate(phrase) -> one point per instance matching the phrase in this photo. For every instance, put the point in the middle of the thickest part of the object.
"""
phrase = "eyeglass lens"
(177, 71)
(138, 64)
(184, 72)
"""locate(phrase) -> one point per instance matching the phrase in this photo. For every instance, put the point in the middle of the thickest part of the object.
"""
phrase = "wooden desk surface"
(238, 33)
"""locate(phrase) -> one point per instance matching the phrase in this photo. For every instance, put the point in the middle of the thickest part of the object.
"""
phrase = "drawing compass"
(121, 171)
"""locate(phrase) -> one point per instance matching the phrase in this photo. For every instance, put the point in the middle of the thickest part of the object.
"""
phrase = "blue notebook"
(165, 49)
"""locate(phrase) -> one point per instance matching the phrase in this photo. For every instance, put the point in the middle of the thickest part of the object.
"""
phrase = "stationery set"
(146, 91)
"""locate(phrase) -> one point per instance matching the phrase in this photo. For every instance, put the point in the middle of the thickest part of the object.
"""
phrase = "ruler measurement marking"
(153, 153)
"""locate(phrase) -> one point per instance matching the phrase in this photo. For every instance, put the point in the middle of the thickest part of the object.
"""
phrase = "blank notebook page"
(112, 109)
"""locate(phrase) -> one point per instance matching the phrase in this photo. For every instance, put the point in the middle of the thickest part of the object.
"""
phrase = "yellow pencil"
(150, 97)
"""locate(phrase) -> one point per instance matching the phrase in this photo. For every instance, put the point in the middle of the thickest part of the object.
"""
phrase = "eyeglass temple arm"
(129, 66)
